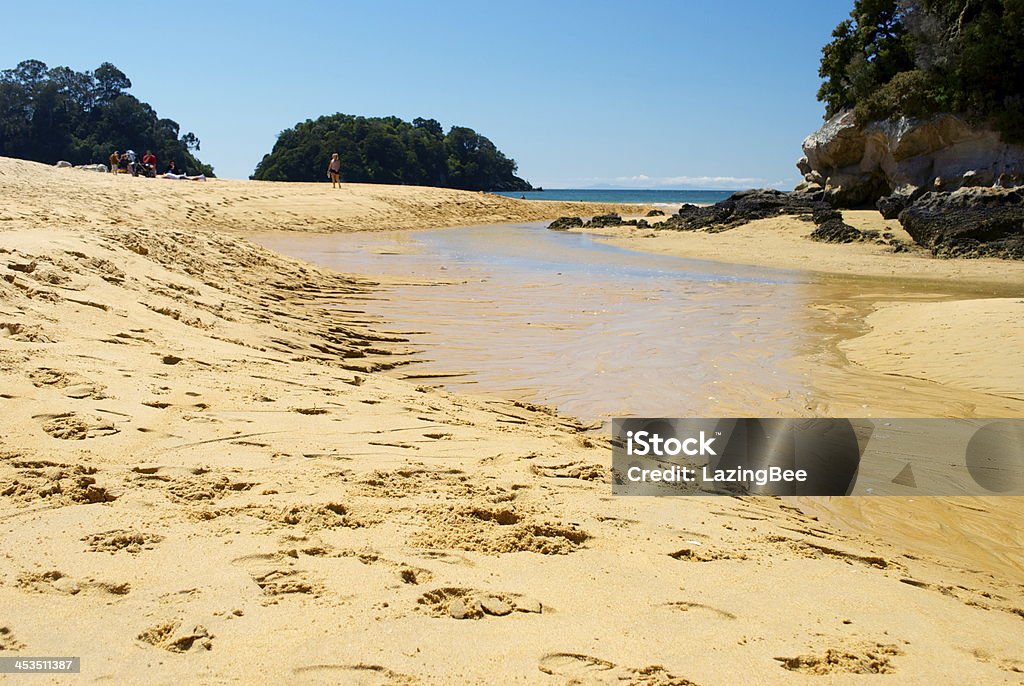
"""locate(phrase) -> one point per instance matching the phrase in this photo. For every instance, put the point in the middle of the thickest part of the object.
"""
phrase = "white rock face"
(855, 165)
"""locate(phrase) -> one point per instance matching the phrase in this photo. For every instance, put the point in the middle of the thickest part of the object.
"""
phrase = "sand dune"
(207, 475)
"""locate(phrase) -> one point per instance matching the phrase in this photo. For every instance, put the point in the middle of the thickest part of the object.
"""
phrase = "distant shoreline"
(639, 196)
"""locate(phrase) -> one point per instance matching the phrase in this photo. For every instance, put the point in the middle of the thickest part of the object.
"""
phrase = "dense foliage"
(920, 57)
(55, 114)
(390, 150)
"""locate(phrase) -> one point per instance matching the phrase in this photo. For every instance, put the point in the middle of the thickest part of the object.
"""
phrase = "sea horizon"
(641, 196)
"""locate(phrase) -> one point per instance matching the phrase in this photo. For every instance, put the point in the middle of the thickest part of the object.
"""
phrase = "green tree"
(920, 57)
(60, 114)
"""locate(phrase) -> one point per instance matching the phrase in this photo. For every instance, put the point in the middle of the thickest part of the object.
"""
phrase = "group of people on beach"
(127, 162)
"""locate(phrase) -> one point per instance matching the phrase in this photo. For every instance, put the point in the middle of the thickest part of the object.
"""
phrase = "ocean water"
(639, 196)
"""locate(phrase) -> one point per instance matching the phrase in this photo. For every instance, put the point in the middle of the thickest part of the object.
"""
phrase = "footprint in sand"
(71, 426)
(8, 641)
(57, 582)
(119, 540)
(981, 655)
(278, 575)
(177, 637)
(864, 658)
(586, 669)
(72, 384)
(808, 549)
(24, 333)
(468, 603)
(485, 528)
(58, 483)
(357, 675)
(705, 555)
(686, 606)
(584, 471)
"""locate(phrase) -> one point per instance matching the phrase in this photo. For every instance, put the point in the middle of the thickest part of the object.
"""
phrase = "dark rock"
(602, 220)
(563, 223)
(822, 215)
(891, 205)
(971, 222)
(835, 230)
(655, 213)
(978, 177)
(741, 208)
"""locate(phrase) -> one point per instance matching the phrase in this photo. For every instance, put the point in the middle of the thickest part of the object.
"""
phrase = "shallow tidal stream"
(562, 319)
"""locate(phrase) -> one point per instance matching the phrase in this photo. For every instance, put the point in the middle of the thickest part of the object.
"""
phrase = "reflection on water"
(595, 330)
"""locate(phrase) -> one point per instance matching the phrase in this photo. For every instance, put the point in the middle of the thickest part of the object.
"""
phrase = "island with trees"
(390, 150)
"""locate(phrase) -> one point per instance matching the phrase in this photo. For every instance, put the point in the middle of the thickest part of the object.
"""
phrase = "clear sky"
(652, 94)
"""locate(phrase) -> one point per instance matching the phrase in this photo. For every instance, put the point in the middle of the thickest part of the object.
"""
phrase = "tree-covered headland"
(920, 57)
(50, 114)
(390, 150)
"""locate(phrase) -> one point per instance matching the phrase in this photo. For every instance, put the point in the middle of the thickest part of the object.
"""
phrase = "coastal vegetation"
(921, 57)
(392, 151)
(51, 114)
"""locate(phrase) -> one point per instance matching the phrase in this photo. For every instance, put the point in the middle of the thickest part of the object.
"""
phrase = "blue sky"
(658, 94)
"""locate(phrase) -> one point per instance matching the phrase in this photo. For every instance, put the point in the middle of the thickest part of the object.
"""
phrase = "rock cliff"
(854, 165)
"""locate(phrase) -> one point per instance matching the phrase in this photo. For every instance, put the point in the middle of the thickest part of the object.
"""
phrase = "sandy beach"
(212, 470)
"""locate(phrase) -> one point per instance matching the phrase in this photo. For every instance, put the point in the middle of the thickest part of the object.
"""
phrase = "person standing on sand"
(115, 159)
(334, 171)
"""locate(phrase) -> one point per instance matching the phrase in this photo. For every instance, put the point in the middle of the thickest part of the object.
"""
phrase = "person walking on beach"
(334, 171)
(115, 159)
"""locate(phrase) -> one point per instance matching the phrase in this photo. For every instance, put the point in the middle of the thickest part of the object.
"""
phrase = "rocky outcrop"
(970, 222)
(830, 228)
(743, 207)
(603, 220)
(738, 209)
(598, 222)
(565, 223)
(853, 165)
